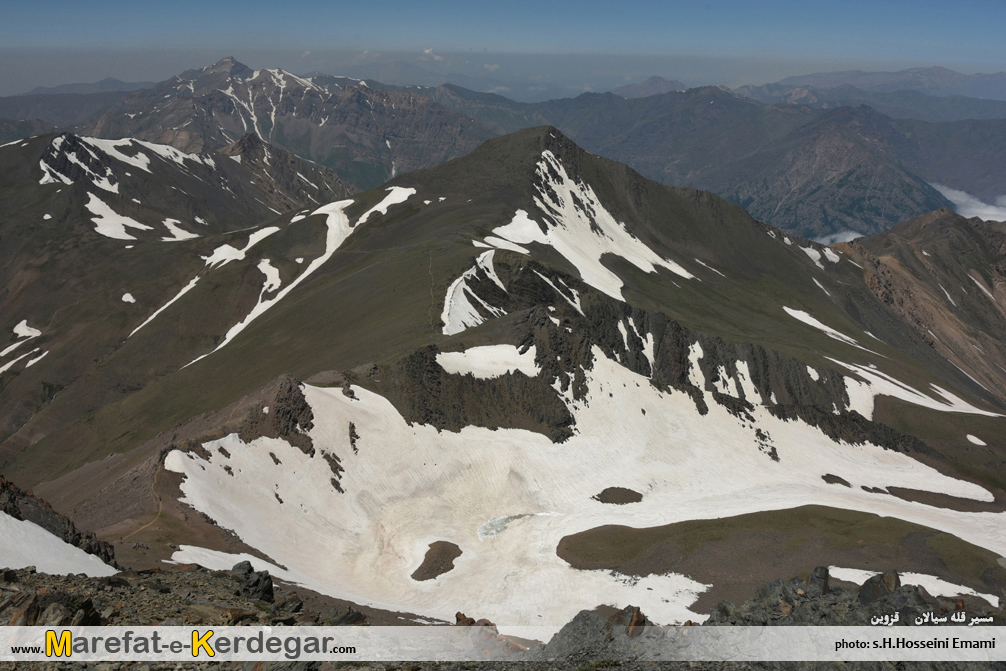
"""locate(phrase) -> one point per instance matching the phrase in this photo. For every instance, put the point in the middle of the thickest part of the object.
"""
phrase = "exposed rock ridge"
(424, 393)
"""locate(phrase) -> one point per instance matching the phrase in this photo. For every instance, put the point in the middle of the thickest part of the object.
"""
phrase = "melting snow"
(272, 281)
(582, 230)
(110, 224)
(397, 194)
(948, 296)
(814, 255)
(23, 330)
(34, 361)
(982, 287)
(46, 217)
(459, 312)
(140, 160)
(827, 330)
(7, 366)
(338, 230)
(27, 544)
(574, 301)
(506, 244)
(410, 484)
(177, 233)
(877, 383)
(935, 586)
(224, 254)
(128, 298)
(489, 361)
(702, 263)
(188, 287)
(976, 440)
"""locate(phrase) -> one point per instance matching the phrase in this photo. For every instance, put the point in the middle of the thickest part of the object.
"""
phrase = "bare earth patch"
(736, 555)
(618, 496)
(439, 560)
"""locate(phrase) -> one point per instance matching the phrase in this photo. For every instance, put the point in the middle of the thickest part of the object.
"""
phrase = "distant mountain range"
(817, 162)
(103, 86)
(651, 87)
(936, 81)
(897, 104)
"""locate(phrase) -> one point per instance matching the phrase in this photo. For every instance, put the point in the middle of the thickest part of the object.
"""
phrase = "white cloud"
(492, 67)
(841, 236)
(967, 205)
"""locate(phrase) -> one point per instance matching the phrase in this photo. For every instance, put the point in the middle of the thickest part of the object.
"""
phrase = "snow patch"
(187, 288)
(948, 296)
(128, 298)
(396, 194)
(489, 361)
(982, 287)
(7, 366)
(110, 224)
(338, 230)
(878, 383)
(34, 361)
(177, 233)
(27, 544)
(807, 319)
(22, 330)
(935, 586)
(272, 280)
(459, 311)
(224, 254)
(582, 230)
(976, 440)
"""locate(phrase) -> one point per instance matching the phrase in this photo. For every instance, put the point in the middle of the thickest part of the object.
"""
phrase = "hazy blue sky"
(717, 41)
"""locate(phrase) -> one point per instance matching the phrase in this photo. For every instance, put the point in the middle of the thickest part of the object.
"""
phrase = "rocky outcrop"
(426, 394)
(652, 345)
(288, 417)
(21, 505)
(176, 595)
(816, 602)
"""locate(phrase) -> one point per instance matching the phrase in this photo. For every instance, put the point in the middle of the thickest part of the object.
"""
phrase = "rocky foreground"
(191, 594)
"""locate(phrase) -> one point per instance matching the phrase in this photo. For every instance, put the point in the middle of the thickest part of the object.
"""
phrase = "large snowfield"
(409, 486)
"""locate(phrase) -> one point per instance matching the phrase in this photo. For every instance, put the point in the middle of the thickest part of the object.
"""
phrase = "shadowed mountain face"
(470, 355)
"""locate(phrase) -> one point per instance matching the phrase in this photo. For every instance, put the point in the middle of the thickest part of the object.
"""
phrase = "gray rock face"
(256, 585)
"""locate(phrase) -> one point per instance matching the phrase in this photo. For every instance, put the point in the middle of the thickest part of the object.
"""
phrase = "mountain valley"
(558, 383)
